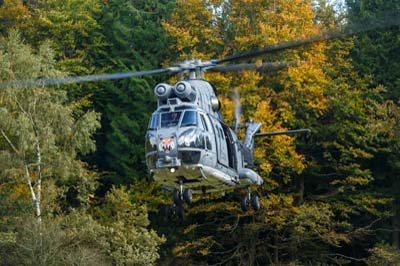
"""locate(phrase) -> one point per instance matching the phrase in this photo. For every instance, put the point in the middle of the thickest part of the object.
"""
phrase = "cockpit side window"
(189, 119)
(204, 122)
(221, 133)
(170, 119)
(154, 122)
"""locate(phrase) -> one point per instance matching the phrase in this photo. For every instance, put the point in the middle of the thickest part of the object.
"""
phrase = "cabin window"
(154, 121)
(189, 119)
(204, 122)
(170, 119)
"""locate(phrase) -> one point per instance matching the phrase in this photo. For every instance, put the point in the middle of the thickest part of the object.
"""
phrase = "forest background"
(73, 184)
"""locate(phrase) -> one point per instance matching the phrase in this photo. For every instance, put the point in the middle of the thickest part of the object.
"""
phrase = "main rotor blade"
(265, 67)
(288, 132)
(386, 19)
(31, 83)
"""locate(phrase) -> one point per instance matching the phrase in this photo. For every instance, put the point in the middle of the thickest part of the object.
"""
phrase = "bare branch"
(20, 106)
(28, 179)
(10, 143)
(346, 257)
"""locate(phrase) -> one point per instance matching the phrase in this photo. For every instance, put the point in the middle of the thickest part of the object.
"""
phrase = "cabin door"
(220, 138)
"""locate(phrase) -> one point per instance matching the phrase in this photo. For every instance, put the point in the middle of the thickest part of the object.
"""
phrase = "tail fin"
(251, 132)
(248, 144)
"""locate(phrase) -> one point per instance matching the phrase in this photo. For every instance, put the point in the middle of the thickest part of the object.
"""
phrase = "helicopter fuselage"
(187, 141)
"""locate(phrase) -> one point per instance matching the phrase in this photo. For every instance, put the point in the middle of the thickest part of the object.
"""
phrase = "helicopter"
(190, 149)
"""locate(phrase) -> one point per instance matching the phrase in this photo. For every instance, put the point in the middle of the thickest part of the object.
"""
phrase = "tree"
(40, 137)
(376, 55)
(136, 42)
(13, 14)
(74, 30)
(130, 242)
(73, 239)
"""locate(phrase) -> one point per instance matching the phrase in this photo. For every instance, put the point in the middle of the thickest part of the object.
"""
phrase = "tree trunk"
(39, 184)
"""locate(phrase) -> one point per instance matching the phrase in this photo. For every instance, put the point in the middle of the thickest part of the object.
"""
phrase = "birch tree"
(40, 137)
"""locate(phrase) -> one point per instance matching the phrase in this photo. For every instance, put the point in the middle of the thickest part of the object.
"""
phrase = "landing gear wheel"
(169, 212)
(255, 202)
(245, 203)
(187, 196)
(177, 197)
(180, 211)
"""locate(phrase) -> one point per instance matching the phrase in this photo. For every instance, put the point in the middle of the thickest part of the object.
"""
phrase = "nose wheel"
(184, 196)
(172, 210)
(179, 197)
(250, 200)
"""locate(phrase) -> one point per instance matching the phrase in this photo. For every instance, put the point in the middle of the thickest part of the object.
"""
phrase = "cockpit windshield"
(170, 119)
(189, 119)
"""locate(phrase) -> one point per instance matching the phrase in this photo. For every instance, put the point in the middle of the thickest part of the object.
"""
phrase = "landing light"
(172, 170)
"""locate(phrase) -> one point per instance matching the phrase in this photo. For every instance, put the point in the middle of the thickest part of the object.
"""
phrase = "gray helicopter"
(190, 149)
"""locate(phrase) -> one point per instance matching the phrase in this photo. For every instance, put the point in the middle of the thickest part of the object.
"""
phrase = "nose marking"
(167, 144)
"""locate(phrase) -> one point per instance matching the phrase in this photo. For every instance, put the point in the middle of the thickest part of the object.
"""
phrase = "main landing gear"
(179, 197)
(250, 200)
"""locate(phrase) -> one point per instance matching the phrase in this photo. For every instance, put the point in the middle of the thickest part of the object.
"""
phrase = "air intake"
(163, 91)
(185, 91)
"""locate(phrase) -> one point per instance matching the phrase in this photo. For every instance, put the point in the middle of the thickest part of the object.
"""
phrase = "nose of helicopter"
(167, 151)
(167, 145)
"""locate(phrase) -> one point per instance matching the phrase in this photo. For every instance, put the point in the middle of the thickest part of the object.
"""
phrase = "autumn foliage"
(75, 152)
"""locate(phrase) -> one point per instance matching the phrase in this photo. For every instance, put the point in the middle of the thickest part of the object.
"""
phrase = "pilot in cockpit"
(174, 118)
(170, 119)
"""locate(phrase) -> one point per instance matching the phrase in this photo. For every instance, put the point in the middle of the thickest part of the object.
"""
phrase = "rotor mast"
(193, 68)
